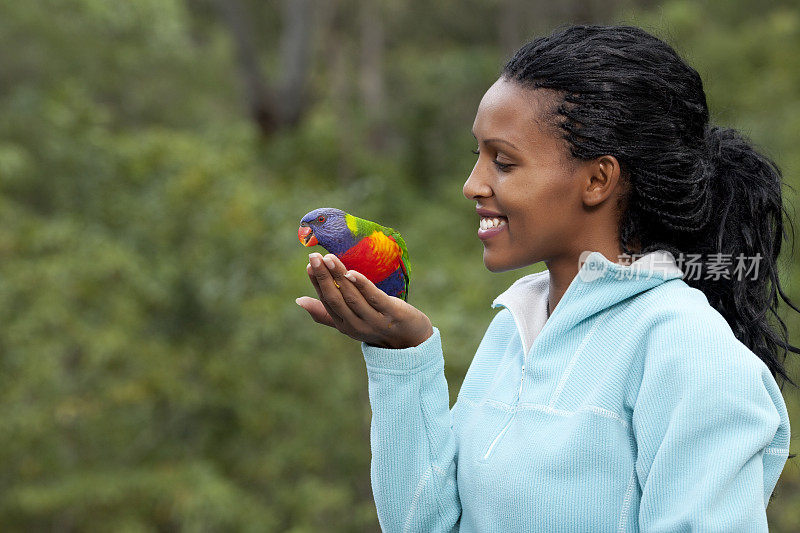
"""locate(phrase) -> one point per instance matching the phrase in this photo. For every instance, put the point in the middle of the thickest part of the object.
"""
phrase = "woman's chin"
(494, 264)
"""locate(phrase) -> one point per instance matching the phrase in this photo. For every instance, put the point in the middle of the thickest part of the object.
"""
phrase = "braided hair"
(692, 188)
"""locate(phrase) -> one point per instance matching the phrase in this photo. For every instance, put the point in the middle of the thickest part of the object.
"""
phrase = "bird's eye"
(321, 218)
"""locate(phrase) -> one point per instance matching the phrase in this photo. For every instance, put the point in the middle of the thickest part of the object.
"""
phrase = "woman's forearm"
(414, 455)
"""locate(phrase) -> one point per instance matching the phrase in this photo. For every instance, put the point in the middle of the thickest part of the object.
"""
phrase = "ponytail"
(744, 213)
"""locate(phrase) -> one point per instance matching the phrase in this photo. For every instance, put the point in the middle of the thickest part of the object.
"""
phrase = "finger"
(350, 294)
(315, 283)
(376, 298)
(331, 296)
(316, 310)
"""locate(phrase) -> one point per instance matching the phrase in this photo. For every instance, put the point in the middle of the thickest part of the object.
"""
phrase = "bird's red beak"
(306, 237)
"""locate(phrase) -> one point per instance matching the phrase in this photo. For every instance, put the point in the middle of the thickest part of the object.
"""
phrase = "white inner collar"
(527, 298)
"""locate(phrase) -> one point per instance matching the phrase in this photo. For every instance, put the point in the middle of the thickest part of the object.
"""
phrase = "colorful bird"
(376, 251)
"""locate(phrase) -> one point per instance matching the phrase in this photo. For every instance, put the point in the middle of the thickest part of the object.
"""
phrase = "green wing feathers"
(405, 265)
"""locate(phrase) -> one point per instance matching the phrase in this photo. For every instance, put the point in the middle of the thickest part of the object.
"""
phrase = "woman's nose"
(476, 185)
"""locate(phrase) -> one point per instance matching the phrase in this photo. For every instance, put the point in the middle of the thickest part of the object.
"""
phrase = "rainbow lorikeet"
(376, 251)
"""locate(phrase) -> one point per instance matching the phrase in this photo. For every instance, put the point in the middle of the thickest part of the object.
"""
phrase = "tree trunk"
(273, 108)
(509, 25)
(372, 80)
(295, 59)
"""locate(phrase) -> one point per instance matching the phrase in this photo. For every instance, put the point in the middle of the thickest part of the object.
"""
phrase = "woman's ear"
(601, 180)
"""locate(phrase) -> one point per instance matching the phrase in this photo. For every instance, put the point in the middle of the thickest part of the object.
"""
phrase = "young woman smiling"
(607, 394)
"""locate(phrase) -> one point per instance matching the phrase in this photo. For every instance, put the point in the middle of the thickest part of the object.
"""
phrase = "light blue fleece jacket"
(633, 407)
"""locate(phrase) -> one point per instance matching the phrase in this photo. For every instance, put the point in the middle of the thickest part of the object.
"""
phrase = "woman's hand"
(351, 303)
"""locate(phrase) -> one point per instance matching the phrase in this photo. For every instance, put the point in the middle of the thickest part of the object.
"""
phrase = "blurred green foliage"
(156, 373)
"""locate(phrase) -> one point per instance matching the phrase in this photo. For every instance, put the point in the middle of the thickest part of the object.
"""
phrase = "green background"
(156, 373)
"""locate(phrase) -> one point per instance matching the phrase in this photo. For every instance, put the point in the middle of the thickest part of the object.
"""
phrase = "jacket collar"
(598, 285)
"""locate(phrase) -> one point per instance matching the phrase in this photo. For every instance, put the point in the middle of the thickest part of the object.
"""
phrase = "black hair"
(694, 188)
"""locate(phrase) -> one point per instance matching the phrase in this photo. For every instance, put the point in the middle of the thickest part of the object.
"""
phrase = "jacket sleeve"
(712, 433)
(413, 468)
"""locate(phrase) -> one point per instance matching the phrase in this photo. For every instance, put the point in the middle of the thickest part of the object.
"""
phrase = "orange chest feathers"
(375, 256)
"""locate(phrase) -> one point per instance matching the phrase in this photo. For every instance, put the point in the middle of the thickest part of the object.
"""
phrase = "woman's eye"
(502, 166)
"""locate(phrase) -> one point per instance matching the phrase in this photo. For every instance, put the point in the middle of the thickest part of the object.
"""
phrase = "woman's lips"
(483, 212)
(490, 230)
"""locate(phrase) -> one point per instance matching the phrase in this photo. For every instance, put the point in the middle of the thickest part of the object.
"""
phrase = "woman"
(607, 394)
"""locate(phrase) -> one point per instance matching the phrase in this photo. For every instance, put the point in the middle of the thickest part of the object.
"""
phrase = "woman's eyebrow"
(503, 141)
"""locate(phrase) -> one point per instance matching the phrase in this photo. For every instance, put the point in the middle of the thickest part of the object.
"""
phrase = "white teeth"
(488, 223)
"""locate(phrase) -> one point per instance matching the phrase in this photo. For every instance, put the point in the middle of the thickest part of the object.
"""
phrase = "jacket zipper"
(497, 438)
(513, 415)
(519, 396)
